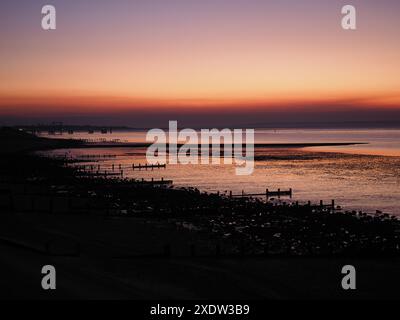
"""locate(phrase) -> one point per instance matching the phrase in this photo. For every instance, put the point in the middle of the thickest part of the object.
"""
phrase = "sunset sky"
(142, 63)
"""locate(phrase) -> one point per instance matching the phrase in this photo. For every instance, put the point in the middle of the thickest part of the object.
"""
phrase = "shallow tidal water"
(355, 182)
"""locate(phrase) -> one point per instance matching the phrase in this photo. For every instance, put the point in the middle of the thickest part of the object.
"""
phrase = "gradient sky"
(142, 63)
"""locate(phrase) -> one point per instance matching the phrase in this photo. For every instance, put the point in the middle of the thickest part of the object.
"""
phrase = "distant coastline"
(256, 145)
(17, 140)
(259, 125)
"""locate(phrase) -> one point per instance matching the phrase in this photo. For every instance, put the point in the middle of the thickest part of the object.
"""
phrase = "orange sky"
(204, 56)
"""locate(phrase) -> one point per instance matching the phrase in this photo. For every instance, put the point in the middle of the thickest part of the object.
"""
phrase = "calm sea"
(360, 177)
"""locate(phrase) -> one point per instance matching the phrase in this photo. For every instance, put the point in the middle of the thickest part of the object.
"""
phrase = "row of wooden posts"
(268, 194)
(279, 193)
(121, 167)
(95, 170)
(121, 174)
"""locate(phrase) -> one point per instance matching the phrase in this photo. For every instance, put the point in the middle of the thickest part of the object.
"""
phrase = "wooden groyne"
(155, 182)
(281, 193)
(100, 174)
(268, 194)
(114, 166)
(113, 170)
(148, 166)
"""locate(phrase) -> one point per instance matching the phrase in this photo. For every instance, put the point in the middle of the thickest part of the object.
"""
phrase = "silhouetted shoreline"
(107, 225)
(17, 141)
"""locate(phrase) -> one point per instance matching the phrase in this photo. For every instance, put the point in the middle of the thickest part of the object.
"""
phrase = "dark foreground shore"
(123, 239)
